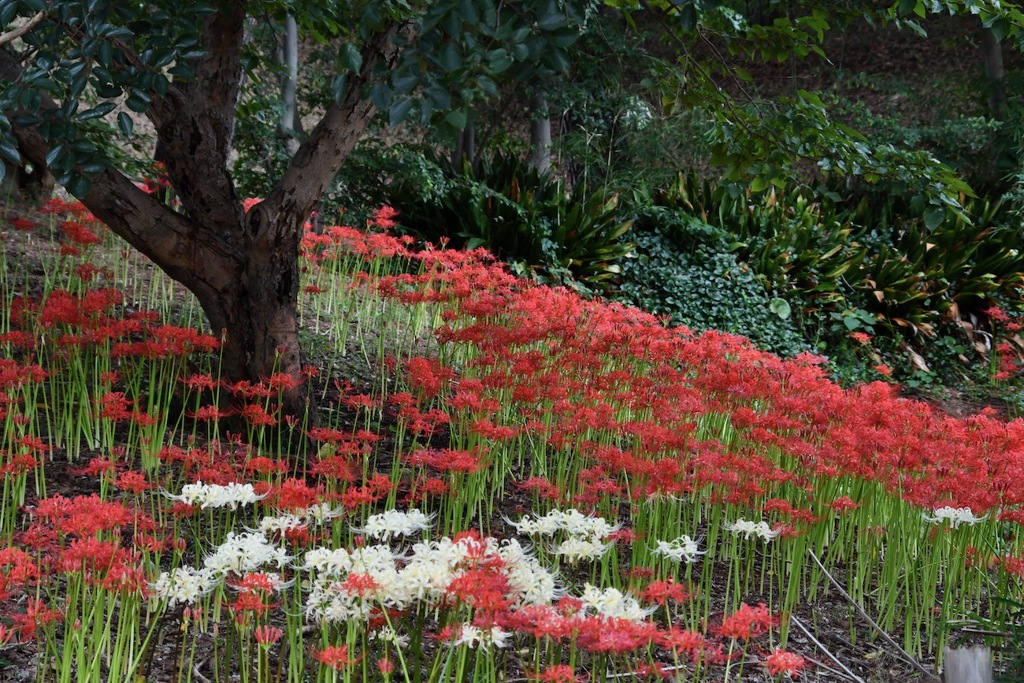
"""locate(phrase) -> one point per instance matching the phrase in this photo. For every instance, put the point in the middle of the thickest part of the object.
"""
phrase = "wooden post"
(968, 665)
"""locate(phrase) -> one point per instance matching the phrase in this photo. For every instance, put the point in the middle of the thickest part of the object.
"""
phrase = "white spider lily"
(682, 549)
(955, 517)
(205, 496)
(751, 529)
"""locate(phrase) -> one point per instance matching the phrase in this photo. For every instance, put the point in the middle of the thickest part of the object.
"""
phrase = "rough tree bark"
(243, 268)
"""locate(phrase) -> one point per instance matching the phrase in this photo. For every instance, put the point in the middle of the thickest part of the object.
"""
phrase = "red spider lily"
(264, 466)
(335, 657)
(78, 233)
(384, 217)
(335, 468)
(780, 662)
(747, 622)
(83, 516)
(682, 641)
(248, 604)
(209, 413)
(17, 570)
(201, 382)
(36, 615)
(445, 460)
(661, 592)
(294, 494)
(1012, 565)
(22, 223)
(484, 589)
(360, 584)
(281, 381)
(133, 482)
(257, 416)
(385, 666)
(844, 503)
(424, 488)
(150, 543)
(544, 488)
(358, 401)
(115, 406)
(267, 635)
(617, 636)
(427, 376)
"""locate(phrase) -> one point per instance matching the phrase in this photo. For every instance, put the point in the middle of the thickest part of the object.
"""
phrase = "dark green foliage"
(909, 266)
(684, 270)
(524, 217)
(793, 241)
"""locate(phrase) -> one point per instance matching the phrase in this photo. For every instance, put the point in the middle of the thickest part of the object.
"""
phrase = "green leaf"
(1000, 28)
(10, 153)
(400, 110)
(338, 87)
(780, 307)
(98, 111)
(125, 123)
(934, 216)
(79, 185)
(450, 59)
(350, 58)
(54, 154)
(457, 119)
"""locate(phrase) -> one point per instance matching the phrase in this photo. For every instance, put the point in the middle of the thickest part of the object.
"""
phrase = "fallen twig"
(821, 646)
(885, 636)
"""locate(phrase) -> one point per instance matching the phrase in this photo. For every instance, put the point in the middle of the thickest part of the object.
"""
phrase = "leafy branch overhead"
(771, 142)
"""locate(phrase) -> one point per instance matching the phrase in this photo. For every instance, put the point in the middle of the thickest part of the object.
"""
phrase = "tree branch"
(173, 242)
(18, 32)
(319, 158)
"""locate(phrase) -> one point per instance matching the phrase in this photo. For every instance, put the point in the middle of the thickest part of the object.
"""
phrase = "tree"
(179, 63)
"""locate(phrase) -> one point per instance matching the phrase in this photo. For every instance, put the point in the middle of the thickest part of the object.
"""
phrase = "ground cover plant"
(503, 481)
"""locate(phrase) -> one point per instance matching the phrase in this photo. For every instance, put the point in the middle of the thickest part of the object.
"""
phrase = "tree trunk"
(465, 148)
(540, 134)
(995, 74)
(290, 125)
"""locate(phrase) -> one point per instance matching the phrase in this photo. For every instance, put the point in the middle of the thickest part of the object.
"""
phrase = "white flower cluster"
(205, 496)
(238, 554)
(751, 529)
(474, 636)
(333, 600)
(682, 549)
(244, 553)
(423, 577)
(572, 522)
(612, 603)
(586, 535)
(955, 517)
(183, 585)
(318, 514)
(395, 523)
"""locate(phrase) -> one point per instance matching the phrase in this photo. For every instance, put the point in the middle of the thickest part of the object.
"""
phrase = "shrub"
(526, 218)
(684, 270)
